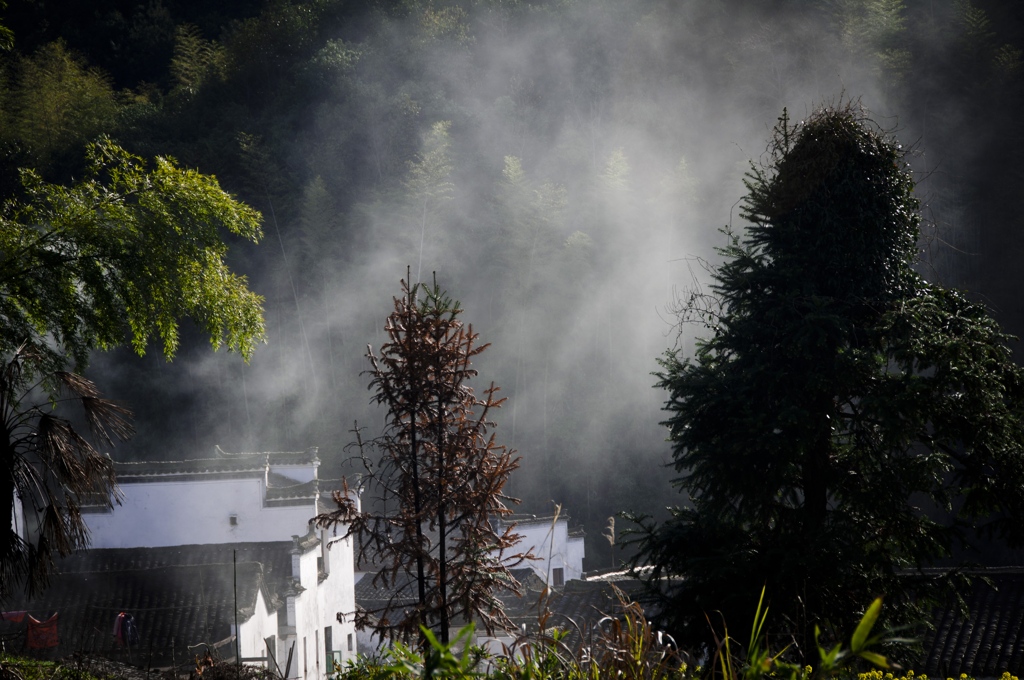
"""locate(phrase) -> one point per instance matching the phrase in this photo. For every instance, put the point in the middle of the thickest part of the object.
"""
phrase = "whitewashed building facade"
(559, 550)
(246, 499)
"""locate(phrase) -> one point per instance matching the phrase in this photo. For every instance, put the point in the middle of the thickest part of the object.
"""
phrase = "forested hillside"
(562, 166)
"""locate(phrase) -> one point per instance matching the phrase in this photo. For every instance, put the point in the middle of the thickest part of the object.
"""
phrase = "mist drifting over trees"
(561, 166)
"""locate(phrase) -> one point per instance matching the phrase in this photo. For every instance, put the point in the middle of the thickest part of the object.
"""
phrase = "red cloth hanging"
(118, 620)
(41, 634)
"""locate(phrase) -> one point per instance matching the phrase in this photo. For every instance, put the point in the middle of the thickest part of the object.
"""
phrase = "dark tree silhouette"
(846, 422)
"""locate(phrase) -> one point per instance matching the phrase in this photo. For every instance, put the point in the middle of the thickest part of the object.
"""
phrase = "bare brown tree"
(440, 475)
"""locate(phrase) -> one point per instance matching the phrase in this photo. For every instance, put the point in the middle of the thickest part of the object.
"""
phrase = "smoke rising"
(562, 168)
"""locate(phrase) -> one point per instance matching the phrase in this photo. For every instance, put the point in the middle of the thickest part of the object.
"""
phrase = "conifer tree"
(440, 477)
(846, 423)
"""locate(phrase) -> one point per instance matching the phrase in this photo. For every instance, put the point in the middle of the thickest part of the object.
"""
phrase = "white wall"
(154, 514)
(308, 618)
(574, 561)
(337, 594)
(318, 605)
(189, 509)
(550, 543)
(260, 625)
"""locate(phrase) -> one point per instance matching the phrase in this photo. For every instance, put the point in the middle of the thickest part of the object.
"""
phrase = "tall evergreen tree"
(846, 422)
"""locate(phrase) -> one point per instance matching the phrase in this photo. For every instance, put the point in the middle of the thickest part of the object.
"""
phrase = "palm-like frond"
(49, 467)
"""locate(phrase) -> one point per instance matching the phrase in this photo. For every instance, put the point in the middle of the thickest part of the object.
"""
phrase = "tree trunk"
(7, 535)
(442, 524)
(421, 579)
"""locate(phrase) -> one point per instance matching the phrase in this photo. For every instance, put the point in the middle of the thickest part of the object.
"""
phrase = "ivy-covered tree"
(845, 423)
(120, 257)
(440, 477)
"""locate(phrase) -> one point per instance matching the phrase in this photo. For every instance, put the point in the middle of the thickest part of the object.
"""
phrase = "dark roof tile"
(221, 463)
(180, 596)
(307, 490)
(986, 643)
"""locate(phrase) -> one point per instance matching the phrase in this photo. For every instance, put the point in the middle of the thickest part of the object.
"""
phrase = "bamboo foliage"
(195, 61)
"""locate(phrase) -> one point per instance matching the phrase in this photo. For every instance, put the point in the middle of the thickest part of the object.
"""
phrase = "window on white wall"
(350, 642)
(558, 576)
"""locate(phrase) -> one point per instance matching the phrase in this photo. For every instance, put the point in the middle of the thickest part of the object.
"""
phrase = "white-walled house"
(197, 545)
(229, 498)
(559, 550)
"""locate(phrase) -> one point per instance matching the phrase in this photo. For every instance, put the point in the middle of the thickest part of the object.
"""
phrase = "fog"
(593, 153)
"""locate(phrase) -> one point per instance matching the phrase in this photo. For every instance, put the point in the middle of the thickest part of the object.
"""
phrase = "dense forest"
(563, 166)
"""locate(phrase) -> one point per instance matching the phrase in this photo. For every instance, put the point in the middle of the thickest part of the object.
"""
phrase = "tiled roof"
(142, 471)
(221, 463)
(307, 541)
(275, 457)
(580, 605)
(405, 588)
(375, 596)
(524, 608)
(304, 490)
(990, 640)
(522, 518)
(615, 574)
(180, 596)
(329, 485)
(983, 645)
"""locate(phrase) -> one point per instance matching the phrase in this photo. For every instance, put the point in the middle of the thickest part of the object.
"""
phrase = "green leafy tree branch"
(120, 257)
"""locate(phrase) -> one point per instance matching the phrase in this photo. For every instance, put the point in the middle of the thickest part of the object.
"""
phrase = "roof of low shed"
(180, 596)
(579, 607)
(990, 640)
